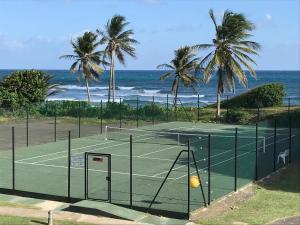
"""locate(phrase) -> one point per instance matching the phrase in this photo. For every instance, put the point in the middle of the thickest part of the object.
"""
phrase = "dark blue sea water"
(146, 84)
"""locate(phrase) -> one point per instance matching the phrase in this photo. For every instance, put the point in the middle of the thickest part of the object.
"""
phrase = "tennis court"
(102, 167)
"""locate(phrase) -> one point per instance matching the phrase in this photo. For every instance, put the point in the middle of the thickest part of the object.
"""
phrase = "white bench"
(283, 155)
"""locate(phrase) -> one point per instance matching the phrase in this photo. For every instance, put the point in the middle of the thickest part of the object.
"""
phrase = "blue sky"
(33, 34)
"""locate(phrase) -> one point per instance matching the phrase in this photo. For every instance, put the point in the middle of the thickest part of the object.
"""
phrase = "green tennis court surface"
(44, 168)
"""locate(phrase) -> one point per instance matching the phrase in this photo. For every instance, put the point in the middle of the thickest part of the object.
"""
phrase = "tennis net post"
(69, 165)
(275, 142)
(235, 159)
(290, 139)
(188, 180)
(27, 126)
(55, 120)
(13, 157)
(130, 170)
(208, 169)
(137, 111)
(256, 151)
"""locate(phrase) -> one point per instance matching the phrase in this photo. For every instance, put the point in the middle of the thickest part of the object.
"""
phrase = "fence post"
(208, 170)
(290, 139)
(289, 106)
(275, 141)
(153, 110)
(198, 108)
(69, 165)
(256, 151)
(13, 157)
(79, 119)
(137, 111)
(55, 121)
(27, 127)
(227, 108)
(167, 107)
(258, 113)
(120, 111)
(235, 158)
(130, 170)
(101, 116)
(188, 183)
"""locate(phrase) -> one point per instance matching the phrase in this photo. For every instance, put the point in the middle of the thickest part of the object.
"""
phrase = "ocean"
(146, 84)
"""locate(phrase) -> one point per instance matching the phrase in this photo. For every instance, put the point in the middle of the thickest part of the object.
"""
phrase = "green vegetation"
(24, 87)
(87, 58)
(14, 220)
(267, 95)
(118, 42)
(229, 53)
(274, 199)
(183, 67)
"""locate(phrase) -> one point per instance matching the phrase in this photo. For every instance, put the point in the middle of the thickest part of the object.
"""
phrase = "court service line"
(54, 153)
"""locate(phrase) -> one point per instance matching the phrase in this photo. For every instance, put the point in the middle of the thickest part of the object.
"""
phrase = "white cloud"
(10, 45)
(268, 16)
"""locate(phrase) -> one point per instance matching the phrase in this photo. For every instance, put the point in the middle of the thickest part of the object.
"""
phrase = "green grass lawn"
(13, 220)
(274, 198)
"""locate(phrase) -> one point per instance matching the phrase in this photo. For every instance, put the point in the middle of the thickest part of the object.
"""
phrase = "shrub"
(268, 95)
(237, 116)
(24, 87)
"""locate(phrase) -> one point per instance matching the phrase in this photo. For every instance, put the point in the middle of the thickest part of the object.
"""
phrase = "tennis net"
(173, 138)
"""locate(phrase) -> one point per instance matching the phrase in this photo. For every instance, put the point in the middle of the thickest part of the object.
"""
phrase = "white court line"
(76, 168)
(107, 142)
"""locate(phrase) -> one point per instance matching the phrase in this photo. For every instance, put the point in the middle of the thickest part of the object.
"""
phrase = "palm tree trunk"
(175, 97)
(88, 90)
(219, 91)
(113, 75)
(110, 78)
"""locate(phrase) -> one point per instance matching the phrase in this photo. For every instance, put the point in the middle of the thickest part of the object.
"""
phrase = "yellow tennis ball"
(194, 182)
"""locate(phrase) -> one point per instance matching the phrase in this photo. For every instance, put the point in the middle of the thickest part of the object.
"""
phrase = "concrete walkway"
(60, 215)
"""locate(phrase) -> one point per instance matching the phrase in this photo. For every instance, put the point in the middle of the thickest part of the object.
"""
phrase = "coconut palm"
(183, 68)
(87, 58)
(118, 42)
(229, 53)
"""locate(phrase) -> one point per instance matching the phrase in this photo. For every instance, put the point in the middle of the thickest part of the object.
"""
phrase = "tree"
(229, 52)
(183, 68)
(25, 87)
(87, 58)
(118, 42)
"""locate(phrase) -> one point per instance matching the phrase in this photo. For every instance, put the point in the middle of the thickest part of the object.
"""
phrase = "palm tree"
(118, 42)
(87, 58)
(183, 68)
(229, 52)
